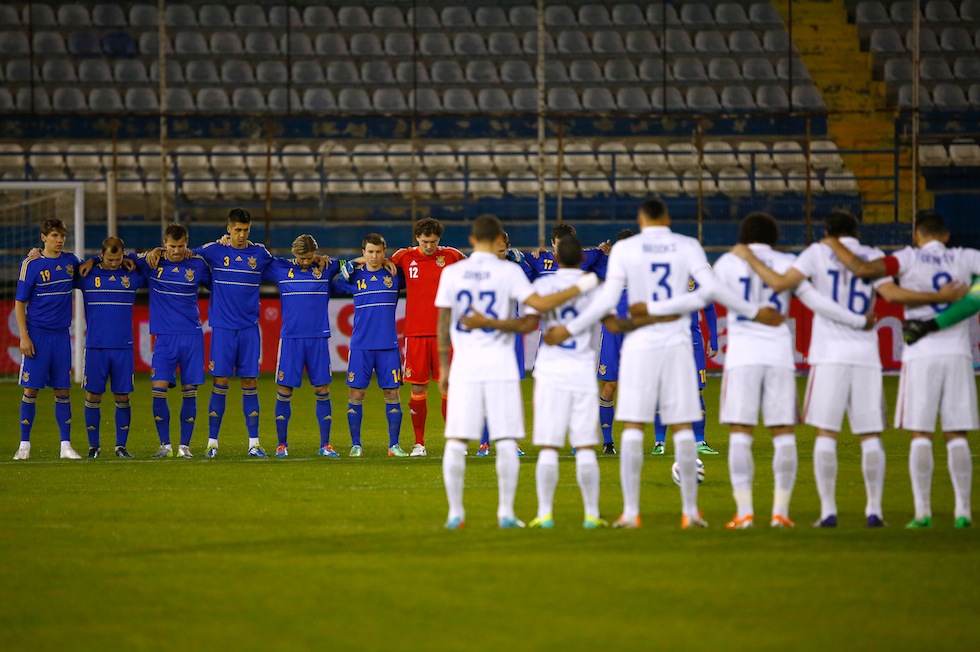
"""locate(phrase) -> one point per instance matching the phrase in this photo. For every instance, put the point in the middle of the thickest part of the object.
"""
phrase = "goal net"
(24, 206)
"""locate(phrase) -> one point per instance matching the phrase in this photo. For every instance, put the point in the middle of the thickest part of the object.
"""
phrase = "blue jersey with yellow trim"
(236, 277)
(174, 308)
(46, 284)
(109, 296)
(303, 296)
(593, 260)
(375, 298)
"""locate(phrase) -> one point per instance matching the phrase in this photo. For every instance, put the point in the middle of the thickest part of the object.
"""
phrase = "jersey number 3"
(489, 297)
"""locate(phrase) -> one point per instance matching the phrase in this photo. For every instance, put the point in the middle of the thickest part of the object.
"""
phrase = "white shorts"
(832, 389)
(663, 377)
(497, 403)
(557, 411)
(746, 390)
(942, 386)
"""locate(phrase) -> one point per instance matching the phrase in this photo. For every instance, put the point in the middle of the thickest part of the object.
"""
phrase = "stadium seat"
(871, 13)
(377, 72)
(331, 45)
(342, 72)
(449, 185)
(690, 70)
(807, 98)
(633, 100)
(306, 185)
(949, 97)
(439, 156)
(271, 72)
(9, 17)
(672, 101)
(261, 43)
(141, 100)
(746, 43)
(12, 43)
(48, 42)
(47, 156)
(458, 100)
(319, 17)
(354, 100)
(776, 41)
(143, 15)
(21, 70)
(295, 157)
(731, 15)
(516, 72)
(250, 16)
(974, 95)
(734, 181)
(901, 12)
(898, 70)
(424, 100)
(627, 15)
(58, 70)
(484, 186)
(599, 100)
(660, 14)
(964, 153)
(399, 44)
(641, 42)
(703, 99)
(235, 184)
(710, 43)
(378, 182)
(530, 43)
(696, 16)
(68, 100)
(482, 72)
(469, 44)
(573, 42)
(525, 100)
(724, 70)
(695, 183)
(508, 157)
(824, 155)
(772, 98)
(493, 100)
(366, 45)
(737, 98)
(307, 72)
(934, 69)
(279, 14)
(179, 100)
(794, 69)
(248, 100)
(559, 16)
(758, 70)
(770, 180)
(73, 15)
(119, 44)
(788, 154)
(933, 155)
(408, 72)
(281, 101)
(585, 71)
(555, 72)
(504, 43)
(369, 156)
(681, 156)
(886, 42)
(190, 42)
(664, 182)
(388, 18)
(939, 12)
(491, 17)
(198, 185)
(620, 71)
(591, 184)
(967, 68)
(435, 44)
(563, 100)
(149, 44)
(614, 158)
(83, 156)
(953, 40)
(201, 71)
(417, 183)
(447, 72)
(678, 42)
(36, 101)
(456, 18)
(213, 100)
(214, 15)
(37, 14)
(129, 182)
(353, 16)
(653, 70)
(607, 42)
(236, 72)
(84, 44)
(753, 155)
(424, 16)
(840, 181)
(191, 157)
(929, 43)
(970, 11)
(105, 100)
(764, 15)
(227, 157)
(226, 43)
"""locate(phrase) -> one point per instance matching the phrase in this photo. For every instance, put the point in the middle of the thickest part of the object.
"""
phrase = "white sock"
(212, 442)
(920, 470)
(873, 468)
(587, 474)
(508, 466)
(546, 477)
(24, 446)
(453, 472)
(961, 473)
(741, 469)
(253, 441)
(685, 454)
(825, 470)
(784, 464)
(65, 445)
(630, 465)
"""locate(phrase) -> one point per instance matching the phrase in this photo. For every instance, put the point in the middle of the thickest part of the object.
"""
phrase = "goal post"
(24, 206)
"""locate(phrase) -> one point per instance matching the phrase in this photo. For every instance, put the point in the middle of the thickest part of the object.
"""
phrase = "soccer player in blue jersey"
(43, 312)
(304, 339)
(109, 292)
(233, 314)
(543, 263)
(700, 363)
(374, 339)
(175, 323)
(608, 369)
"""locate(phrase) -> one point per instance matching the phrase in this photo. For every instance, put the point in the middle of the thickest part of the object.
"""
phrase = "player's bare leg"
(93, 419)
(873, 470)
(630, 466)
(960, 465)
(921, 465)
(741, 471)
(825, 473)
(250, 406)
(785, 461)
(686, 457)
(28, 410)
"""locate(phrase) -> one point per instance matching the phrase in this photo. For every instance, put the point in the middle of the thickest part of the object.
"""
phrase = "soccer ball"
(675, 472)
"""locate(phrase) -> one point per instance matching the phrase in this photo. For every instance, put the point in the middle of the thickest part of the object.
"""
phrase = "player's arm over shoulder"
(452, 252)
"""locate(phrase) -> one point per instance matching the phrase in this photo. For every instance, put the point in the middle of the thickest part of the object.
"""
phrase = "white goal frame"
(78, 316)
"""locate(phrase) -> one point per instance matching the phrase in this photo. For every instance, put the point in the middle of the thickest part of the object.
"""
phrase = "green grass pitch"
(307, 552)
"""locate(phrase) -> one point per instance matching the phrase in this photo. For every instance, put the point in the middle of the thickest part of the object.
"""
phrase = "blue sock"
(188, 415)
(324, 417)
(659, 430)
(161, 415)
(393, 409)
(62, 414)
(485, 437)
(355, 413)
(250, 406)
(28, 408)
(606, 412)
(93, 415)
(124, 416)
(216, 409)
(284, 410)
(699, 425)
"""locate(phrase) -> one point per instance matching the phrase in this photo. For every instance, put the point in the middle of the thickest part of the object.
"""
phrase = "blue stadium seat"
(84, 44)
(119, 45)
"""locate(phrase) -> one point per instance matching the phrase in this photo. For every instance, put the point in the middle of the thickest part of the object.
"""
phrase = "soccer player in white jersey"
(760, 369)
(845, 365)
(482, 384)
(937, 371)
(655, 267)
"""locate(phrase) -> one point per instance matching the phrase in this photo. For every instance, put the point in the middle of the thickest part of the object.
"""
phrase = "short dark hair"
(486, 228)
(113, 245)
(625, 233)
(841, 223)
(506, 238)
(53, 224)
(375, 239)
(175, 232)
(561, 230)
(429, 226)
(654, 208)
(930, 223)
(239, 215)
(759, 227)
(569, 251)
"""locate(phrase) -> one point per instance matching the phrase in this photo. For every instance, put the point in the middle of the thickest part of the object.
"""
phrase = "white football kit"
(845, 364)
(937, 371)
(484, 381)
(566, 397)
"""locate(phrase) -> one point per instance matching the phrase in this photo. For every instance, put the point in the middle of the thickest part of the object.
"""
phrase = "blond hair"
(305, 244)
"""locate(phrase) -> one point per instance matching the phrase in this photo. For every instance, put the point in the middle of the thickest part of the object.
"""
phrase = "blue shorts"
(184, 351)
(385, 362)
(700, 363)
(235, 352)
(51, 364)
(609, 347)
(102, 364)
(298, 352)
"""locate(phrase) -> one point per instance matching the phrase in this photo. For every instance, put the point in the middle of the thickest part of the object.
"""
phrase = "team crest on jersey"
(252, 262)
(408, 372)
(440, 261)
(189, 274)
(125, 281)
(602, 370)
(350, 376)
(388, 282)
(690, 285)
(211, 365)
(281, 375)
(26, 377)
(317, 273)
(70, 270)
